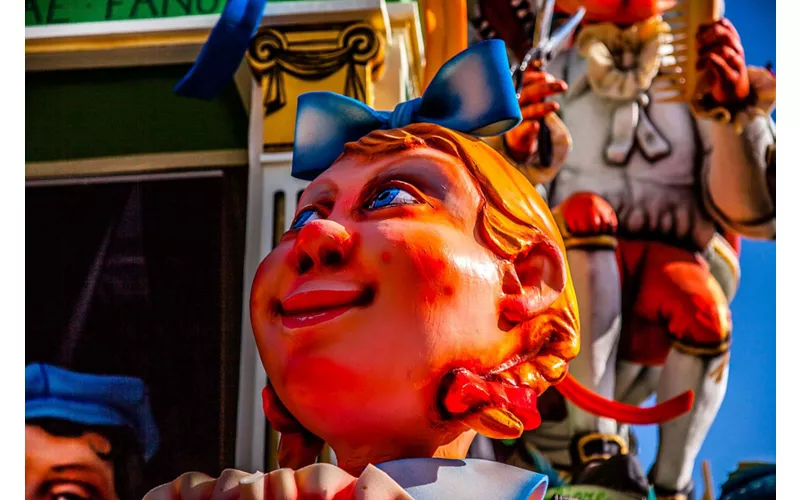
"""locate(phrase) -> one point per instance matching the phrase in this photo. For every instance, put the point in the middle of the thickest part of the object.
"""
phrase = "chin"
(365, 422)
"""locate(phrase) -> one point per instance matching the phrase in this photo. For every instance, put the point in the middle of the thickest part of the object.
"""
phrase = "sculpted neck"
(354, 459)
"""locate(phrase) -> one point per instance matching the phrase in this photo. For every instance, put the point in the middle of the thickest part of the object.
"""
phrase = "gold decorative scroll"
(289, 61)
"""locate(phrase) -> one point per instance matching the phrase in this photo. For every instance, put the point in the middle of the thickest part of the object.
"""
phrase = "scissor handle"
(544, 142)
(544, 137)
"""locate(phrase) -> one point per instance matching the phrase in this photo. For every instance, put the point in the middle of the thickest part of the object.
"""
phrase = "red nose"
(321, 243)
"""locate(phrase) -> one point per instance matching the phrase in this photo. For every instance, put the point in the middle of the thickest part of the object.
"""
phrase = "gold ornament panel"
(288, 61)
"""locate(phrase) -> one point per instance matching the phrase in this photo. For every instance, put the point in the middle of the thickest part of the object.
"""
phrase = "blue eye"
(304, 217)
(391, 197)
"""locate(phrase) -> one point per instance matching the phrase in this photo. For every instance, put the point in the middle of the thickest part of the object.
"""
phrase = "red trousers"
(669, 298)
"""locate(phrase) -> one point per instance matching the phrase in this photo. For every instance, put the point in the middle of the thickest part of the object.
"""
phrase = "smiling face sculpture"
(420, 295)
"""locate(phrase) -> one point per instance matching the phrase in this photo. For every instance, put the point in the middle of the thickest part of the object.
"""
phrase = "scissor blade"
(544, 17)
(563, 34)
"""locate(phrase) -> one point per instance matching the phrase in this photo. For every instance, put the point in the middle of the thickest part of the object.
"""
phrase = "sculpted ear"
(533, 283)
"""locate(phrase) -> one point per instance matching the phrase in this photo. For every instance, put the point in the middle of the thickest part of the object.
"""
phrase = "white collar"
(467, 479)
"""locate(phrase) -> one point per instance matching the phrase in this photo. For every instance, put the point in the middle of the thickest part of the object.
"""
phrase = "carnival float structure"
(101, 112)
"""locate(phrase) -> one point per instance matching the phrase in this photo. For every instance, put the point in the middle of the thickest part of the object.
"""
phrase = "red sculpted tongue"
(503, 408)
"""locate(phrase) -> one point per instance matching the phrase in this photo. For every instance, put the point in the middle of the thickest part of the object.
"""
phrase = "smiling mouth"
(305, 308)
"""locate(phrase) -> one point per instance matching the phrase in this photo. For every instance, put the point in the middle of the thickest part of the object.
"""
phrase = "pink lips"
(315, 302)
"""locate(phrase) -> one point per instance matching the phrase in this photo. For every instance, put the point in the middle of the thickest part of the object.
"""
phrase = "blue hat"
(52, 392)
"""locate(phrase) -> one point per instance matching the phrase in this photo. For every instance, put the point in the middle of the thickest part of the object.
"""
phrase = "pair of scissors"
(545, 48)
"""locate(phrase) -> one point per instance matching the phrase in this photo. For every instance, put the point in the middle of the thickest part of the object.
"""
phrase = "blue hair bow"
(223, 51)
(472, 93)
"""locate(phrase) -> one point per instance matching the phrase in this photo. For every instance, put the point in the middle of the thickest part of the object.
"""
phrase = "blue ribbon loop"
(223, 51)
(472, 93)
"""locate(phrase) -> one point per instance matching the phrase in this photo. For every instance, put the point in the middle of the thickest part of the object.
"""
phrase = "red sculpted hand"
(720, 52)
(587, 214)
(536, 86)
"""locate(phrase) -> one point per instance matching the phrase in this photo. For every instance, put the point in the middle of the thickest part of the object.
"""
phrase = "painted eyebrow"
(89, 483)
(419, 173)
(322, 193)
(75, 467)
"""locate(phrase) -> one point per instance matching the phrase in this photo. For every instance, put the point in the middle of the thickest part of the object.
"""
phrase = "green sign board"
(48, 12)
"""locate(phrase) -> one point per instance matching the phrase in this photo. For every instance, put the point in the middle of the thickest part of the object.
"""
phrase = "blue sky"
(745, 426)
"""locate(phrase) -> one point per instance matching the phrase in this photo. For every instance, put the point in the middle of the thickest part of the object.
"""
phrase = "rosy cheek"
(272, 273)
(270, 276)
(435, 274)
(260, 308)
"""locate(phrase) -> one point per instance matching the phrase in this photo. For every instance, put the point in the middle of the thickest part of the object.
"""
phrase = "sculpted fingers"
(730, 82)
(537, 76)
(281, 485)
(189, 486)
(195, 486)
(720, 51)
(253, 487)
(539, 110)
(521, 140)
(163, 492)
(324, 482)
(719, 33)
(721, 68)
(314, 482)
(227, 486)
(726, 54)
(537, 86)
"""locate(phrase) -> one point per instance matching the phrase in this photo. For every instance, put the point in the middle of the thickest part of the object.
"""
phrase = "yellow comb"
(678, 71)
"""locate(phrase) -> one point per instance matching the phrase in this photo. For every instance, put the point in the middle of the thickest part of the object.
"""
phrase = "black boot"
(603, 460)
